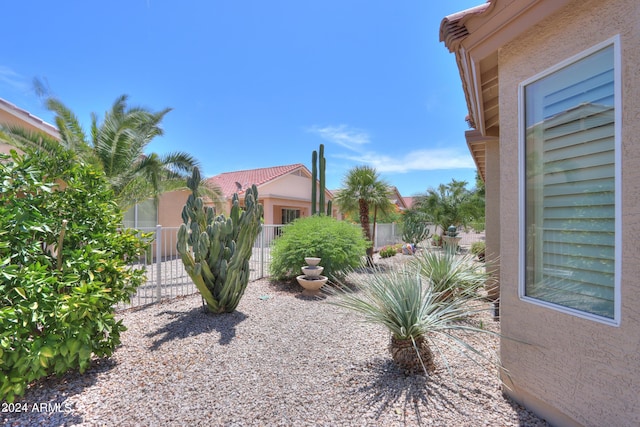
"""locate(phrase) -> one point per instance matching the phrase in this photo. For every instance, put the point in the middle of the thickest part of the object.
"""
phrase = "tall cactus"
(216, 250)
(314, 178)
(322, 166)
(318, 164)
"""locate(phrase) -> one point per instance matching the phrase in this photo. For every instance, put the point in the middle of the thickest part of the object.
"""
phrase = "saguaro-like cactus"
(216, 250)
(314, 178)
(318, 167)
(322, 165)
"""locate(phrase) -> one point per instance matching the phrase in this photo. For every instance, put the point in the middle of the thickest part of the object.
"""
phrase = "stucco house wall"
(573, 371)
(170, 207)
(280, 187)
(11, 115)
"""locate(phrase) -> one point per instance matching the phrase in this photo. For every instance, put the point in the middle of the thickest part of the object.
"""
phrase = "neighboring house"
(10, 115)
(553, 93)
(283, 191)
(408, 202)
(397, 199)
(168, 213)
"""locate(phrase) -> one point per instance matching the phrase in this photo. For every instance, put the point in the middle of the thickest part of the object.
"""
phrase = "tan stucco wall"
(8, 119)
(492, 212)
(290, 192)
(567, 366)
(170, 208)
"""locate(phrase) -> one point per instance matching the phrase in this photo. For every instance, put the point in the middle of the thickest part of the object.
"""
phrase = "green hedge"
(340, 244)
(62, 268)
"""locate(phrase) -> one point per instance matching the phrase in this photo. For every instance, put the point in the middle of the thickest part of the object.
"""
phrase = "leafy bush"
(62, 268)
(339, 244)
(388, 251)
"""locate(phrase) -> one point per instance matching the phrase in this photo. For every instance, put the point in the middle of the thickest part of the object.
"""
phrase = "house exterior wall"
(170, 207)
(27, 122)
(492, 213)
(287, 192)
(570, 370)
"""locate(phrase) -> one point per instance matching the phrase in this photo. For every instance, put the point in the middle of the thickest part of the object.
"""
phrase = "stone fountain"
(312, 280)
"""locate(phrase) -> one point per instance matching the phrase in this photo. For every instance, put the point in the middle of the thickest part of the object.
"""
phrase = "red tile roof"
(408, 201)
(453, 29)
(237, 182)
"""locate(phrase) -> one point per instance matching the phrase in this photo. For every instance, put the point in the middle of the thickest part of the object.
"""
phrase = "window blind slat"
(571, 178)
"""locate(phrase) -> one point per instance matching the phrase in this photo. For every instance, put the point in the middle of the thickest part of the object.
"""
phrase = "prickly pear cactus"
(215, 250)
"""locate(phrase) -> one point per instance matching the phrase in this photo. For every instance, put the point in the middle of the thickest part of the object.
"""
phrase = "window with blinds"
(569, 179)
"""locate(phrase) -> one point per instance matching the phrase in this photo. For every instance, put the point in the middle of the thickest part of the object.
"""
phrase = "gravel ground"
(280, 359)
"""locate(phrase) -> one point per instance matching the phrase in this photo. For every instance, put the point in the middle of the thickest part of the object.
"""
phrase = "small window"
(570, 193)
(289, 215)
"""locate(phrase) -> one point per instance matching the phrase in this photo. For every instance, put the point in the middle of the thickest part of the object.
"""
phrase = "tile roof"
(408, 201)
(453, 29)
(238, 181)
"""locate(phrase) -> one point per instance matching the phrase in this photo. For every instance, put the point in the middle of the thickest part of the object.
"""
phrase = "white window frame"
(615, 321)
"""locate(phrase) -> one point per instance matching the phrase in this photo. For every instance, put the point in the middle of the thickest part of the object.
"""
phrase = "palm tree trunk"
(364, 221)
(375, 217)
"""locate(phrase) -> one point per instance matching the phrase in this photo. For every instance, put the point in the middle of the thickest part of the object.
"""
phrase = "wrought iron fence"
(167, 278)
(166, 275)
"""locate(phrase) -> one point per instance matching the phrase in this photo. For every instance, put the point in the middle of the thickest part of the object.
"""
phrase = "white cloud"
(13, 79)
(353, 139)
(425, 159)
(417, 160)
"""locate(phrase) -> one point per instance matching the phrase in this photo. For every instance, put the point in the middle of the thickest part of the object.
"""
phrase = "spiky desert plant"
(415, 313)
(450, 274)
(216, 250)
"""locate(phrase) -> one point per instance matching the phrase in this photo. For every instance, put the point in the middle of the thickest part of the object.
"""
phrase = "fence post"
(375, 243)
(261, 251)
(159, 262)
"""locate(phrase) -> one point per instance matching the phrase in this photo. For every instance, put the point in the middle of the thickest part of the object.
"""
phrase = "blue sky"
(257, 83)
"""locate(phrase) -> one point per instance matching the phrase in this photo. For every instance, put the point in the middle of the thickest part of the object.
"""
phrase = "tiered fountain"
(312, 280)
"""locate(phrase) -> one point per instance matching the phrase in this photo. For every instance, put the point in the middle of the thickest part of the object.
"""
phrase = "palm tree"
(362, 190)
(450, 204)
(116, 145)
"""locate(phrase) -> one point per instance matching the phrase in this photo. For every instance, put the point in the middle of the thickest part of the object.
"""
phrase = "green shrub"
(62, 268)
(388, 251)
(339, 244)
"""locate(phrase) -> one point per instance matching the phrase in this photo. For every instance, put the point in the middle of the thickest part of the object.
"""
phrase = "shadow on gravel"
(389, 386)
(46, 400)
(392, 386)
(194, 322)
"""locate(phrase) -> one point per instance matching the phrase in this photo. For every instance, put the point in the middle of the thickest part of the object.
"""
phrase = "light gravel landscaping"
(279, 360)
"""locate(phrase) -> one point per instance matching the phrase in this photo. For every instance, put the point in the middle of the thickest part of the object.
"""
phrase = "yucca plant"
(415, 312)
(450, 274)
